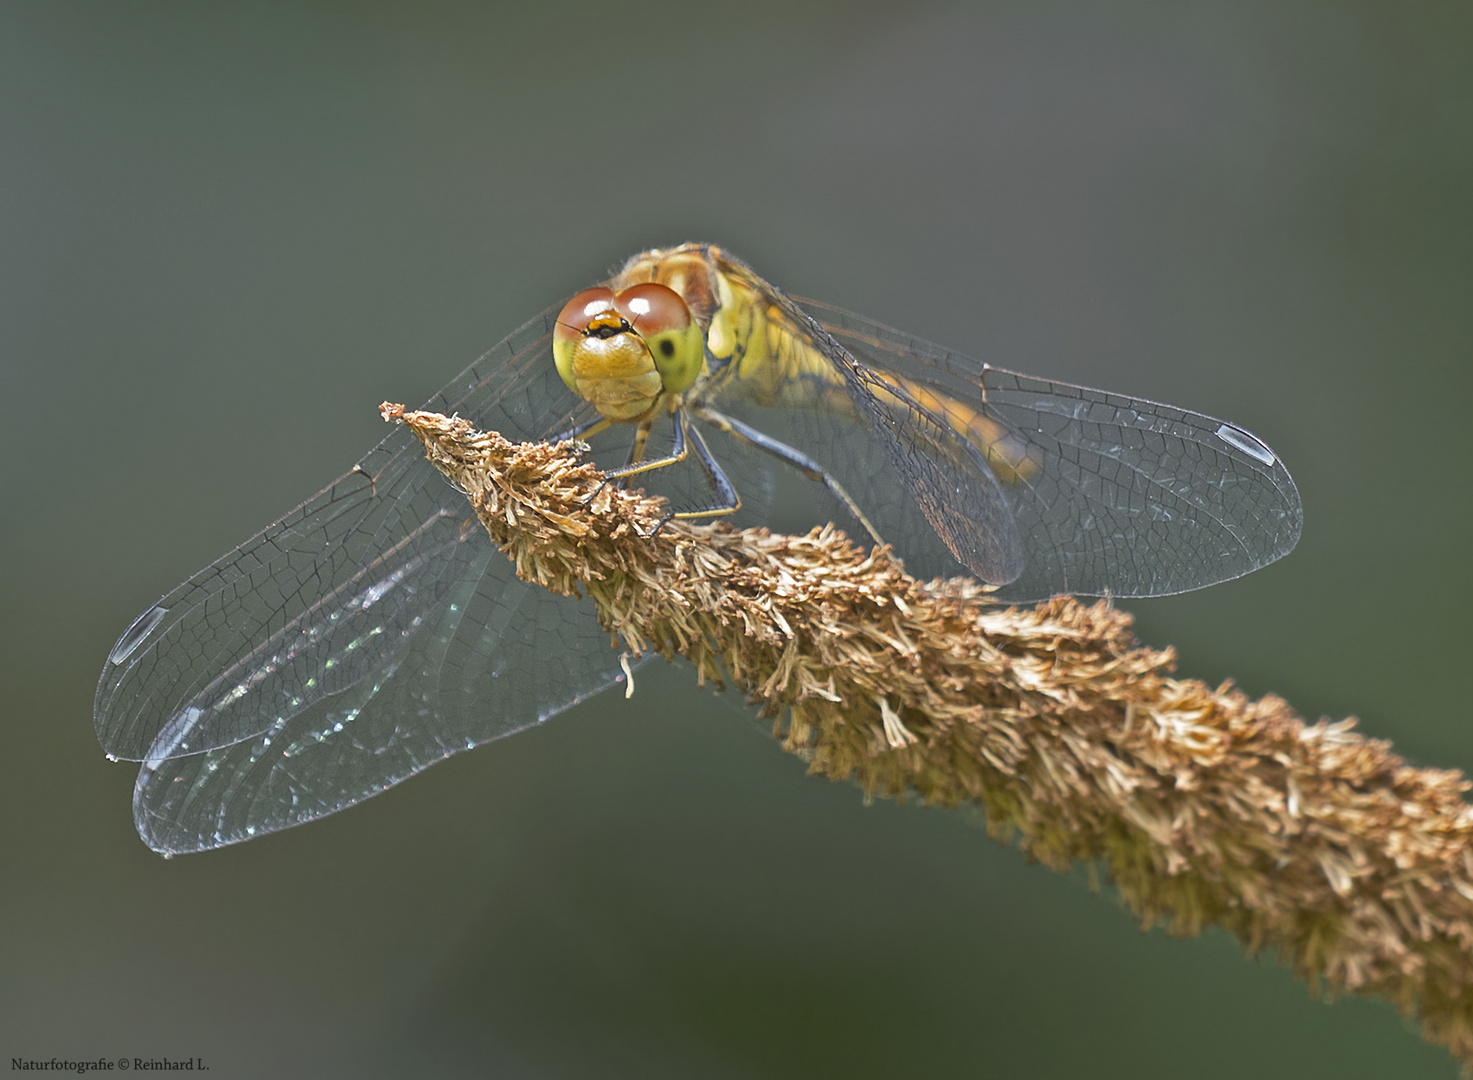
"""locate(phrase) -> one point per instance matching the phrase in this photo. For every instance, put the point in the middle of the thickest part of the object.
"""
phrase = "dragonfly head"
(621, 351)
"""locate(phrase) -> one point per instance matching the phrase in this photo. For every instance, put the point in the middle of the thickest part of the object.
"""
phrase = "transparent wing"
(375, 630)
(1109, 494)
(370, 633)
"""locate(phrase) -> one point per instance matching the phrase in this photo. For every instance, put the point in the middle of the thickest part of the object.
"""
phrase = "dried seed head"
(1207, 808)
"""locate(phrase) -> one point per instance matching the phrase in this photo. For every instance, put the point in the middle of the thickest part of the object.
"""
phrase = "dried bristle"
(1207, 808)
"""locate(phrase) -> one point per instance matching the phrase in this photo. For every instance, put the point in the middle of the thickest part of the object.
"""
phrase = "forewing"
(1111, 494)
(369, 633)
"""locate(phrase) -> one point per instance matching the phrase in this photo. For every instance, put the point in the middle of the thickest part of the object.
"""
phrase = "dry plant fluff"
(1207, 808)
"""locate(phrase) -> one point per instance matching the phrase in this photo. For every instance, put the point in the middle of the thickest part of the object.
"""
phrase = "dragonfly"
(376, 630)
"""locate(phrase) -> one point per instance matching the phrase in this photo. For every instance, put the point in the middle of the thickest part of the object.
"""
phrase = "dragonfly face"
(375, 630)
(622, 351)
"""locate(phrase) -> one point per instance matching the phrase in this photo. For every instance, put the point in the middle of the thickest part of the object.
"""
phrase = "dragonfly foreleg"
(635, 466)
(787, 454)
(685, 437)
(636, 452)
(588, 427)
(726, 491)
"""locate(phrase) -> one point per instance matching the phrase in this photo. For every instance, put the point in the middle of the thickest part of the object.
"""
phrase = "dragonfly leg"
(636, 455)
(636, 452)
(588, 427)
(684, 437)
(729, 501)
(641, 441)
(635, 464)
(785, 453)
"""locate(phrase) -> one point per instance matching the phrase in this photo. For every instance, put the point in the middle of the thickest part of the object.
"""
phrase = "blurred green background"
(228, 232)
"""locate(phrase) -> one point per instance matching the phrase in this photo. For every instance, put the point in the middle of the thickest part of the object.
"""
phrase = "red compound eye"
(577, 313)
(652, 309)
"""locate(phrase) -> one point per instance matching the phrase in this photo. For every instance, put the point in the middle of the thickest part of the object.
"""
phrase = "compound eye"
(653, 309)
(572, 324)
(660, 316)
(577, 313)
